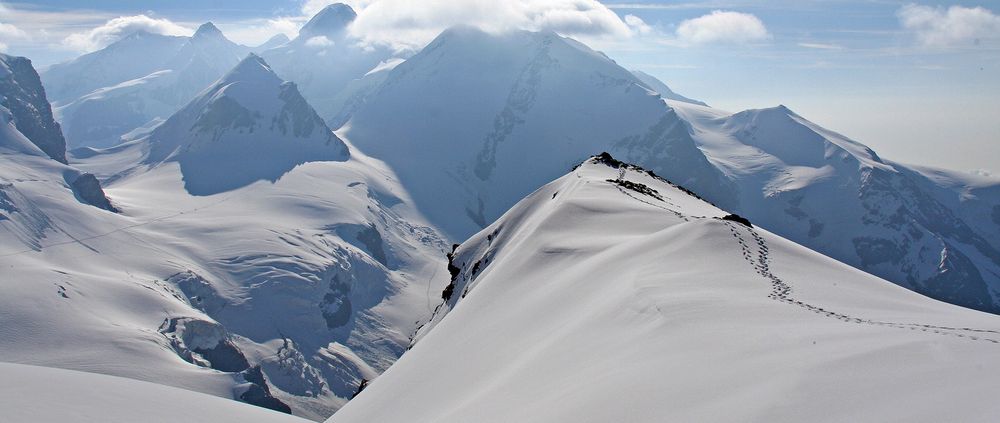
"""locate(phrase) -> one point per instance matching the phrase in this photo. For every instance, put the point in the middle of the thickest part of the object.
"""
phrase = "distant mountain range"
(280, 224)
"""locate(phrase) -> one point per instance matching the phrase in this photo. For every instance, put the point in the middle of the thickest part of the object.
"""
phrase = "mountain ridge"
(661, 299)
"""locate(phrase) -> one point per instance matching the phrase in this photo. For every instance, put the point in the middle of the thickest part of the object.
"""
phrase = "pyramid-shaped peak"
(208, 30)
(252, 68)
(274, 41)
(332, 19)
(777, 112)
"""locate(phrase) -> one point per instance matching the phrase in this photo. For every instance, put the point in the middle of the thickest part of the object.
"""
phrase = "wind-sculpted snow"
(592, 301)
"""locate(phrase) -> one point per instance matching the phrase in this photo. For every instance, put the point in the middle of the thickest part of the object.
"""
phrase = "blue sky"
(919, 82)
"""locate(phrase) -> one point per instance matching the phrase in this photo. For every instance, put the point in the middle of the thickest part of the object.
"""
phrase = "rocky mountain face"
(22, 94)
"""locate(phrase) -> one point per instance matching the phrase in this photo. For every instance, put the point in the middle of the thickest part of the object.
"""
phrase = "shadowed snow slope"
(40, 394)
(610, 295)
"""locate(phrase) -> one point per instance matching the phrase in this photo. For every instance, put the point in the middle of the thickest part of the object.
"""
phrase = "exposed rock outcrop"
(21, 92)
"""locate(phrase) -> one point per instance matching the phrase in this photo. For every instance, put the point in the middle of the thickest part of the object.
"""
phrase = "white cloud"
(319, 42)
(954, 26)
(253, 32)
(821, 46)
(8, 31)
(722, 27)
(407, 24)
(637, 24)
(121, 26)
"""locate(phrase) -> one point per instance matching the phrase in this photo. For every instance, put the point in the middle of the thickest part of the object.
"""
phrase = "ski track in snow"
(782, 291)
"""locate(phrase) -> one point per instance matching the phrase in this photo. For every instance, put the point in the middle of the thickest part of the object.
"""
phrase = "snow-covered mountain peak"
(273, 42)
(610, 274)
(251, 70)
(470, 36)
(207, 41)
(331, 21)
(495, 114)
(207, 30)
(248, 125)
(134, 56)
(783, 134)
(103, 96)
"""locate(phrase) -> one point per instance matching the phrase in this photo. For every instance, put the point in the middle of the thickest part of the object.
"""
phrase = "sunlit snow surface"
(39, 394)
(317, 272)
(592, 302)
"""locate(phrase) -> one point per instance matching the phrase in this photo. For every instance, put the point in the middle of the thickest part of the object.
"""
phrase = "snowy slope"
(928, 230)
(99, 117)
(134, 56)
(476, 120)
(324, 59)
(610, 295)
(668, 94)
(47, 395)
(282, 286)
